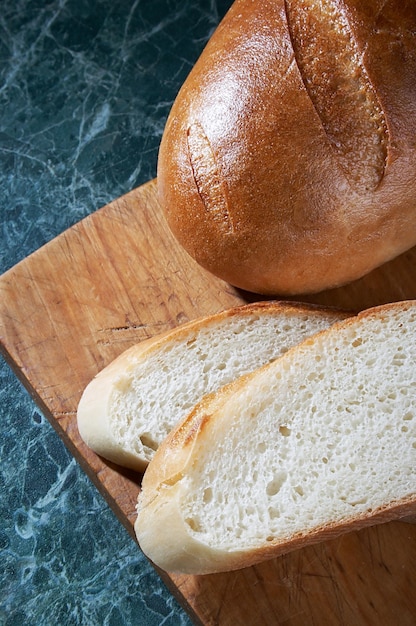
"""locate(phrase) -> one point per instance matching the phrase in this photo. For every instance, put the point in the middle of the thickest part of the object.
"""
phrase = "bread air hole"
(193, 524)
(399, 359)
(299, 490)
(273, 513)
(273, 487)
(314, 376)
(208, 495)
(148, 442)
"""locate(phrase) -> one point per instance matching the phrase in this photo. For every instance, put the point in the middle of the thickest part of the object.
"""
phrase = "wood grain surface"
(118, 277)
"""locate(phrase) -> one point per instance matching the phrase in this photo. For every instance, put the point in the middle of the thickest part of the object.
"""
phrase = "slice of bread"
(129, 407)
(317, 443)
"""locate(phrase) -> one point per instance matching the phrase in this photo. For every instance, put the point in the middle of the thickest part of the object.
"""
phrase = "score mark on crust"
(332, 70)
(208, 180)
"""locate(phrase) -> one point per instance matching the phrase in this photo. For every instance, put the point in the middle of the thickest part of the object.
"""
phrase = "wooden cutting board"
(118, 277)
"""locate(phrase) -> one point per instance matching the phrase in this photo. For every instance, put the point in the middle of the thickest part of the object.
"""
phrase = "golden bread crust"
(278, 182)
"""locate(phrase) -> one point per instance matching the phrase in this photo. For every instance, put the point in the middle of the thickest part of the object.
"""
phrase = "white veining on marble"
(85, 88)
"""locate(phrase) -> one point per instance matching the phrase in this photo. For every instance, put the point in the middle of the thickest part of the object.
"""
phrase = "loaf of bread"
(320, 442)
(129, 407)
(288, 161)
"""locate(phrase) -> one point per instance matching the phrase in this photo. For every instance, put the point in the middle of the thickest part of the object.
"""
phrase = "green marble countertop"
(85, 88)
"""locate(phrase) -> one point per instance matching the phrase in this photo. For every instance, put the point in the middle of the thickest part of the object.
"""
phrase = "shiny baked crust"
(288, 161)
